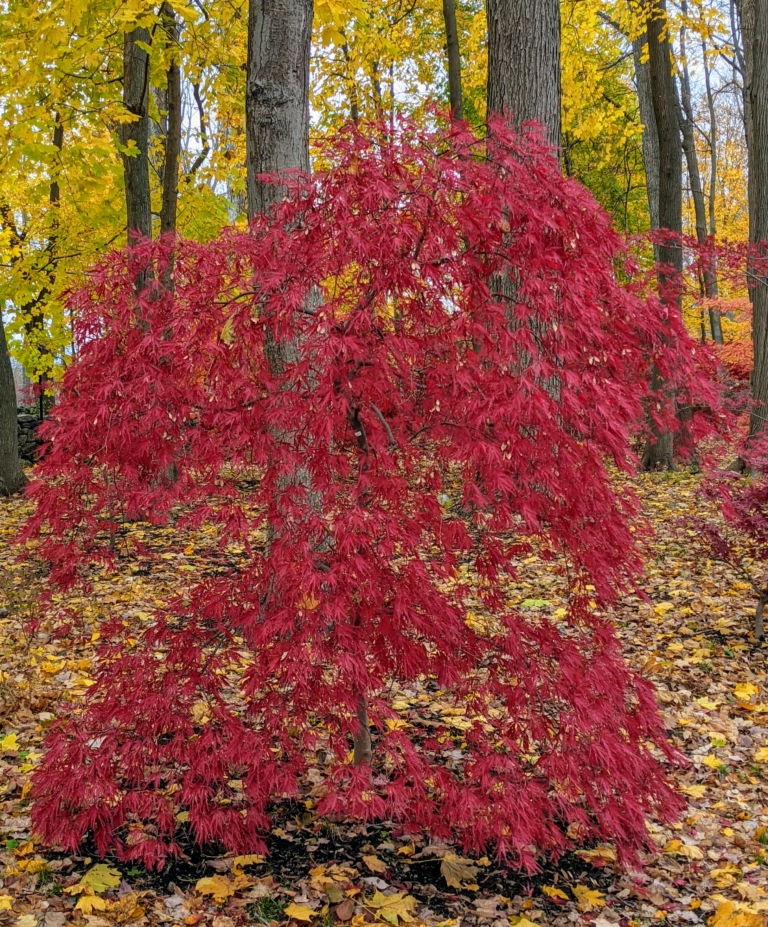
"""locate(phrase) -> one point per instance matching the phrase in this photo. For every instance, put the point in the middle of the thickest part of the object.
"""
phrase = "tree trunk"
(136, 135)
(12, 478)
(277, 141)
(754, 29)
(711, 285)
(454, 59)
(688, 129)
(173, 128)
(276, 95)
(660, 447)
(650, 134)
(524, 62)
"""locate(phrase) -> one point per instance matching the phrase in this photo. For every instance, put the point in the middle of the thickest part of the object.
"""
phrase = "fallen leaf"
(457, 871)
(6, 903)
(219, 887)
(762, 755)
(300, 912)
(345, 910)
(677, 847)
(598, 855)
(588, 898)
(733, 914)
(551, 892)
(100, 878)
(375, 864)
(745, 690)
(694, 791)
(392, 908)
(27, 920)
(90, 903)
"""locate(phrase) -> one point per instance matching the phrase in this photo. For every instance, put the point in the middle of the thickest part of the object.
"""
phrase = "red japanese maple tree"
(420, 435)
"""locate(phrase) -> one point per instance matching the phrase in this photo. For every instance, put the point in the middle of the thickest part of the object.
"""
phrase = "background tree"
(524, 62)
(660, 447)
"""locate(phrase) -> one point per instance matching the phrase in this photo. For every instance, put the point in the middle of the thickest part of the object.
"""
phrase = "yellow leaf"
(252, 859)
(26, 920)
(707, 703)
(100, 878)
(393, 908)
(406, 851)
(683, 849)
(90, 903)
(695, 791)
(523, 921)
(219, 887)
(300, 912)
(6, 902)
(712, 761)
(588, 898)
(551, 892)
(601, 853)
(745, 690)
(663, 607)
(762, 755)
(9, 742)
(375, 864)
(733, 914)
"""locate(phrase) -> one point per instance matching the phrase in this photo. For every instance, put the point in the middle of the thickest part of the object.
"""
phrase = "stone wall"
(28, 440)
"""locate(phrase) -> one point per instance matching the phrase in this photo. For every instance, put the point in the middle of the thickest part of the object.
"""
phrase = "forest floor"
(692, 638)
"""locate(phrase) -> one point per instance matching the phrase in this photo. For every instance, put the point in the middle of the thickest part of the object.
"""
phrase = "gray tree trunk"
(524, 62)
(276, 95)
(754, 28)
(173, 127)
(688, 129)
(136, 168)
(277, 141)
(12, 478)
(454, 59)
(660, 448)
(648, 119)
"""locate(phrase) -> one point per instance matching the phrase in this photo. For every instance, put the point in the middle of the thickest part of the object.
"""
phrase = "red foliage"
(411, 381)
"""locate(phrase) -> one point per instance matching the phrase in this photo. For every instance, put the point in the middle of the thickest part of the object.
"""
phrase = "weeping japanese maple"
(419, 436)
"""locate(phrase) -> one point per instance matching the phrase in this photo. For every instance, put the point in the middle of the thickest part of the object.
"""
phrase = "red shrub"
(412, 382)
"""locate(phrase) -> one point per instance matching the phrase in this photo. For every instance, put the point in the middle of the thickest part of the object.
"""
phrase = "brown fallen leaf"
(345, 910)
(375, 864)
(458, 872)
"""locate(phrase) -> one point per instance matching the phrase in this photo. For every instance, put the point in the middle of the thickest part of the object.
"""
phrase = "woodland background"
(129, 123)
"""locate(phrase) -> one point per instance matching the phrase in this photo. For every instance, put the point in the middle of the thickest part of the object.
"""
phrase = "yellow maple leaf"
(219, 887)
(745, 690)
(90, 903)
(300, 912)
(734, 914)
(551, 892)
(588, 898)
(708, 703)
(683, 849)
(6, 902)
(375, 864)
(252, 859)
(762, 755)
(712, 761)
(9, 742)
(392, 908)
(695, 791)
(99, 878)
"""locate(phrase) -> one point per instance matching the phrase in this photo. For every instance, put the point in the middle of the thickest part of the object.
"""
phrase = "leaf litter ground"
(692, 638)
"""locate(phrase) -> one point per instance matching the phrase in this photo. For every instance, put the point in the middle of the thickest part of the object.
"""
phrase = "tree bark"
(454, 59)
(173, 129)
(659, 452)
(276, 95)
(688, 129)
(12, 478)
(650, 134)
(754, 29)
(136, 165)
(524, 62)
